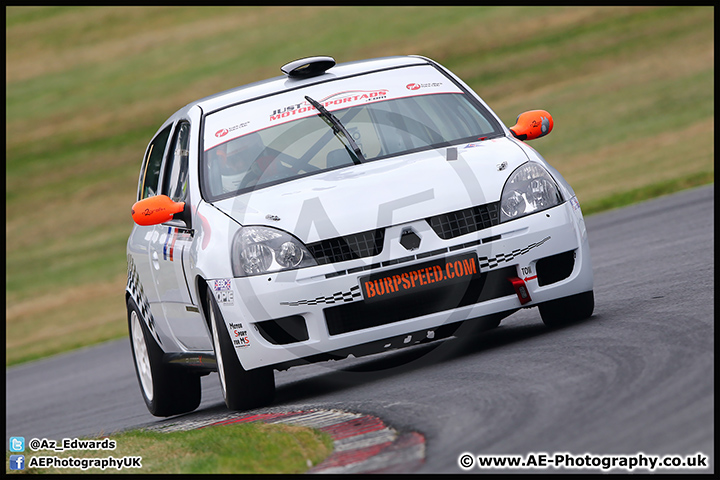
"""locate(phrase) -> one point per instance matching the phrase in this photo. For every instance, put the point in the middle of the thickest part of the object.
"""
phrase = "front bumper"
(277, 319)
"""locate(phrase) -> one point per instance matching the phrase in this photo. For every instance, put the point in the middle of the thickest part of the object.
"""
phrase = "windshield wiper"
(339, 131)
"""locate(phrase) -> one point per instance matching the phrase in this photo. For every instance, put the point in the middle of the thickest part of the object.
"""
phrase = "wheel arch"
(201, 289)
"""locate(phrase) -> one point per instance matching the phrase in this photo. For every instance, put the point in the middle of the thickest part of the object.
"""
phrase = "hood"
(381, 193)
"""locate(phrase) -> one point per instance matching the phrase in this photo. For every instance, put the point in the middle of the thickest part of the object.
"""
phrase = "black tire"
(490, 324)
(242, 389)
(167, 390)
(560, 312)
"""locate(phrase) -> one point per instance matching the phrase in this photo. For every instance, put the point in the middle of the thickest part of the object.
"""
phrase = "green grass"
(648, 192)
(235, 448)
(631, 90)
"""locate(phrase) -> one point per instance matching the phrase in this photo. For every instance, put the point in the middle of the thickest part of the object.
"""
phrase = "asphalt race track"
(636, 377)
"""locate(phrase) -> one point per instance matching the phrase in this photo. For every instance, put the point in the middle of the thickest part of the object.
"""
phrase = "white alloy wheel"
(142, 358)
(241, 389)
(167, 389)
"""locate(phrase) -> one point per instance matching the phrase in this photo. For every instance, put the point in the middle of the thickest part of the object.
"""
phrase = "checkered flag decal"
(138, 295)
(354, 293)
(339, 297)
(493, 262)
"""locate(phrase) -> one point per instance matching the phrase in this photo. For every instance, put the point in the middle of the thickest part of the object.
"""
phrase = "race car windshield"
(296, 141)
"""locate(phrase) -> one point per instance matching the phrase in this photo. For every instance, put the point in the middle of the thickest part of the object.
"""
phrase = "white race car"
(335, 210)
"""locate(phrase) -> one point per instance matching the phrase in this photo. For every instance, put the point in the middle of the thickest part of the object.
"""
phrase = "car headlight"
(259, 250)
(529, 189)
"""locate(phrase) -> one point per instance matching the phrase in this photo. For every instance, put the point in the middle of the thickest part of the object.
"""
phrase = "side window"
(150, 174)
(175, 181)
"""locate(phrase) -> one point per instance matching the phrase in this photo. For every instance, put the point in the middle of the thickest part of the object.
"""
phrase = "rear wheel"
(166, 390)
(560, 312)
(242, 389)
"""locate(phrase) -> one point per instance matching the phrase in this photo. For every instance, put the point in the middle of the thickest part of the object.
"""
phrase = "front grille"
(453, 224)
(349, 247)
(359, 315)
(370, 243)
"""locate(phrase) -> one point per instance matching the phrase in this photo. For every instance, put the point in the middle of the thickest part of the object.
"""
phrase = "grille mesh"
(349, 247)
(453, 224)
(370, 243)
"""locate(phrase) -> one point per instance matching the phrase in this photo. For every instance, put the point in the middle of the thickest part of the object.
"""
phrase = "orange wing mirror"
(532, 124)
(156, 210)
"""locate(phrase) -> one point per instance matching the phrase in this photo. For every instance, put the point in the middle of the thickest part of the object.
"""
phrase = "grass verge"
(647, 192)
(236, 448)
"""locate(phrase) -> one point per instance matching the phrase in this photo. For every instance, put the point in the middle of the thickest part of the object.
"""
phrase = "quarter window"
(150, 174)
(175, 183)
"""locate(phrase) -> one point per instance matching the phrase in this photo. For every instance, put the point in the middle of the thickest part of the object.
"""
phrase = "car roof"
(284, 83)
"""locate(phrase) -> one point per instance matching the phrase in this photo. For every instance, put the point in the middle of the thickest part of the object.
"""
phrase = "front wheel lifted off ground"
(560, 312)
(167, 390)
(242, 389)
